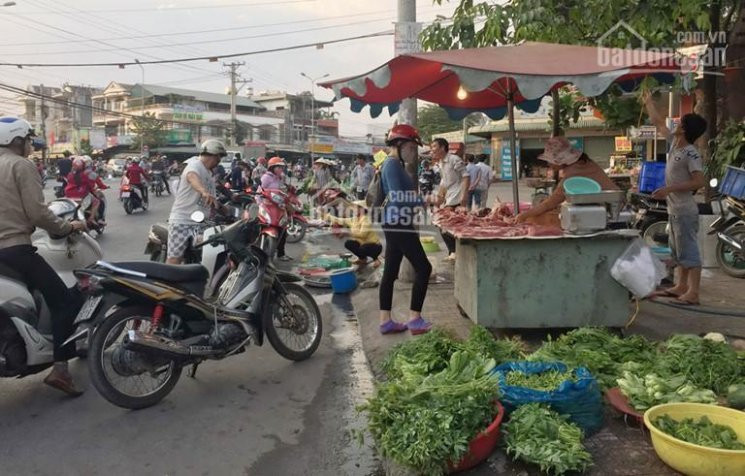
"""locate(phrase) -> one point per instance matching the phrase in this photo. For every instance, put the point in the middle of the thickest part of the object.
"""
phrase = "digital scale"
(586, 213)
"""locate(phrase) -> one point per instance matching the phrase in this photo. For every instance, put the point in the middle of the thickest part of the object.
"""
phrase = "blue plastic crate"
(733, 183)
(652, 176)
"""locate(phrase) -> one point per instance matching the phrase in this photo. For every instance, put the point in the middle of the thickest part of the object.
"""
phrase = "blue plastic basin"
(581, 186)
(343, 280)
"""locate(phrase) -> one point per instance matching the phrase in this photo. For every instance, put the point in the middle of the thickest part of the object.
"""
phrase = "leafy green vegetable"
(481, 341)
(426, 421)
(546, 381)
(601, 352)
(536, 434)
(736, 396)
(644, 393)
(705, 363)
(702, 432)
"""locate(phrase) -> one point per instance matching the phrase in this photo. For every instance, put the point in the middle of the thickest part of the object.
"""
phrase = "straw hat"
(559, 151)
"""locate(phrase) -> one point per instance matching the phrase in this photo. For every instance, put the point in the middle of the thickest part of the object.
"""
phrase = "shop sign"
(577, 142)
(647, 132)
(506, 159)
(623, 144)
(177, 136)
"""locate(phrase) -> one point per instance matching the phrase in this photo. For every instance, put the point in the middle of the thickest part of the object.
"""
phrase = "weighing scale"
(587, 213)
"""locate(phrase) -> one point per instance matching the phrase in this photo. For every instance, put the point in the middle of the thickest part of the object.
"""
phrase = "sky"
(72, 31)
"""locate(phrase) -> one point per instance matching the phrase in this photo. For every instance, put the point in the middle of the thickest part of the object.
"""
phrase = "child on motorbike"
(80, 184)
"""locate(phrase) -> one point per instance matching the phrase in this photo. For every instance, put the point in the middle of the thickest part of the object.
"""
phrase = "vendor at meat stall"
(569, 162)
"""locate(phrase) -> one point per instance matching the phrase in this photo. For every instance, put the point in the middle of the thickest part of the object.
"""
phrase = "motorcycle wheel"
(730, 260)
(296, 231)
(651, 234)
(295, 336)
(128, 206)
(106, 343)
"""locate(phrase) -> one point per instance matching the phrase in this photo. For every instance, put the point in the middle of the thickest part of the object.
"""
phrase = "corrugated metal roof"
(537, 125)
(196, 95)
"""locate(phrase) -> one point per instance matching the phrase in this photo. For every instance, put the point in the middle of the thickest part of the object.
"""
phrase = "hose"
(633, 316)
(702, 310)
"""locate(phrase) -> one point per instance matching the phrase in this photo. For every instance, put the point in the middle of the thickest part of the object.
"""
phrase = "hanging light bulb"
(462, 93)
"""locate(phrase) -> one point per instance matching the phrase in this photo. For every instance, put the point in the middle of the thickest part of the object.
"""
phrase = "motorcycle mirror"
(198, 216)
(713, 183)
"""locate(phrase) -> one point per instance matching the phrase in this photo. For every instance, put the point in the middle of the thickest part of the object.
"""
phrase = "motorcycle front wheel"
(294, 327)
(125, 378)
(730, 259)
(128, 206)
(296, 231)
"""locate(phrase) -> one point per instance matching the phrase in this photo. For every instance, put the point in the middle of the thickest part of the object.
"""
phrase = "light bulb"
(462, 93)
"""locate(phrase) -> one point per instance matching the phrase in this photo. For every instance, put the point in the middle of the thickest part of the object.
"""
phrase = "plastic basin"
(429, 245)
(696, 460)
(581, 186)
(343, 280)
(482, 445)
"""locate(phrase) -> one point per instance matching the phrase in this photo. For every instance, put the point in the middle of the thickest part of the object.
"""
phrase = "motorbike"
(729, 229)
(131, 198)
(26, 345)
(651, 219)
(298, 223)
(160, 323)
(156, 185)
(59, 190)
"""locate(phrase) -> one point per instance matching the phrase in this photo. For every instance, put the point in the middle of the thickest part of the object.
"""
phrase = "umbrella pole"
(513, 153)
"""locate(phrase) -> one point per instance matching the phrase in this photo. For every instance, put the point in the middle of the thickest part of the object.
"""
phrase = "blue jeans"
(477, 197)
(684, 240)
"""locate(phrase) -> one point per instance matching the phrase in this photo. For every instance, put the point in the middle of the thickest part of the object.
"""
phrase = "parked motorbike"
(651, 219)
(298, 223)
(26, 345)
(161, 322)
(131, 198)
(730, 231)
(156, 185)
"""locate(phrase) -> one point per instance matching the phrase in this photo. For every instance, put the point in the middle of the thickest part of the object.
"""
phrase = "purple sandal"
(419, 326)
(392, 327)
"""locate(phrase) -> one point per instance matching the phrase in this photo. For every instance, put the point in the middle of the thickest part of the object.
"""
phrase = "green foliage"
(434, 120)
(545, 381)
(86, 148)
(538, 435)
(149, 129)
(700, 432)
(728, 149)
(571, 105)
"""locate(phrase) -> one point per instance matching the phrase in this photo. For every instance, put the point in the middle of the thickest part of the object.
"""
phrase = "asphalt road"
(252, 414)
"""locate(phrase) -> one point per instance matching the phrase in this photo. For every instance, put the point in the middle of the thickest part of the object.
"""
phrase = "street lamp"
(313, 110)
(142, 105)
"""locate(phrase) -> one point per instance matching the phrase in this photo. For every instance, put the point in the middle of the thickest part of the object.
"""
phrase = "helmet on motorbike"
(401, 132)
(12, 128)
(78, 164)
(276, 162)
(261, 161)
(213, 147)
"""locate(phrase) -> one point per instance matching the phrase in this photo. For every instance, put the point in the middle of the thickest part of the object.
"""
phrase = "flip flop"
(664, 293)
(685, 302)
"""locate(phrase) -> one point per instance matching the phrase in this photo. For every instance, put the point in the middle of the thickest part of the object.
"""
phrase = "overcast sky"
(61, 31)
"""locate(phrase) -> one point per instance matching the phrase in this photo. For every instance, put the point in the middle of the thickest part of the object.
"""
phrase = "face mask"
(408, 153)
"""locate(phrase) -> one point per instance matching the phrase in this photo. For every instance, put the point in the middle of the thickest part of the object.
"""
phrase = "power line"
(170, 9)
(212, 58)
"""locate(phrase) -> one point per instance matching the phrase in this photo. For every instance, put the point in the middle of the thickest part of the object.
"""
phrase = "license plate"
(125, 194)
(90, 306)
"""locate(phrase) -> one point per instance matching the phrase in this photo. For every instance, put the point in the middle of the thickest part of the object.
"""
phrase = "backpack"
(375, 195)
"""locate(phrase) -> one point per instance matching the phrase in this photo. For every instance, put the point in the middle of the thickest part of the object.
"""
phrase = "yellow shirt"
(360, 228)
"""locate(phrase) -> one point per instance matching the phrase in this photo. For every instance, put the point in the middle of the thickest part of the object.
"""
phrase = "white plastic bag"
(638, 269)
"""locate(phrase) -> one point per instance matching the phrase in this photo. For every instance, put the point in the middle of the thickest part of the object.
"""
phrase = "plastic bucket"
(482, 445)
(343, 280)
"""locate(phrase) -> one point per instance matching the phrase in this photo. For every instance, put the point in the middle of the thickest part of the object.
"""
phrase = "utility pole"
(313, 82)
(142, 106)
(234, 80)
(43, 126)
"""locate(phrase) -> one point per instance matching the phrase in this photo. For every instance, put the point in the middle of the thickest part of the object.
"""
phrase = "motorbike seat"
(188, 273)
(10, 273)
(161, 231)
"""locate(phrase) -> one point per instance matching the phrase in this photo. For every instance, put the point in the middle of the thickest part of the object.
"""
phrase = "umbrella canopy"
(490, 76)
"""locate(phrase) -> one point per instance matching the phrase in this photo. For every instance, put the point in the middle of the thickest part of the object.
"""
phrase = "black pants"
(400, 242)
(143, 189)
(449, 241)
(281, 244)
(368, 250)
(164, 178)
(63, 303)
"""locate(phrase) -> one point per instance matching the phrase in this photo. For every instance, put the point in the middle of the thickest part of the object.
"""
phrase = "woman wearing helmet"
(273, 179)
(401, 237)
(80, 184)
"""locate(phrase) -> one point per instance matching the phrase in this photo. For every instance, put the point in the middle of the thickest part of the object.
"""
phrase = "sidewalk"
(618, 449)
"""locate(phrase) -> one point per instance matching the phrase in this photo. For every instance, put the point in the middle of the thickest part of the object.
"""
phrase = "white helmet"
(87, 159)
(213, 147)
(12, 127)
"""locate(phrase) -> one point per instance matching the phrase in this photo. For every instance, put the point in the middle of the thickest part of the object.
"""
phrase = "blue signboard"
(506, 159)
(578, 143)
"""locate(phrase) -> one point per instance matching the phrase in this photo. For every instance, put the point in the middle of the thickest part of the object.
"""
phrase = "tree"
(434, 120)
(583, 22)
(149, 130)
(85, 148)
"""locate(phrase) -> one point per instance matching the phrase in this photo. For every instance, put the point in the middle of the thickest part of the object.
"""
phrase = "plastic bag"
(581, 401)
(638, 269)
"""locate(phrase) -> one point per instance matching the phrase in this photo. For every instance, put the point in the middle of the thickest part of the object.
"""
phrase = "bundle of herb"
(545, 381)
(702, 432)
(706, 363)
(427, 421)
(651, 390)
(481, 341)
(538, 435)
(423, 355)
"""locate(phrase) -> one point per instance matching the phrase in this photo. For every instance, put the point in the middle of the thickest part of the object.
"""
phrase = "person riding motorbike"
(196, 191)
(159, 165)
(79, 185)
(273, 179)
(136, 176)
(259, 171)
(100, 186)
(23, 210)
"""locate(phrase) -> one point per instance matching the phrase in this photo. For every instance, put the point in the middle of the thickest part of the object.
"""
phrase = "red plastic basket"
(482, 445)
